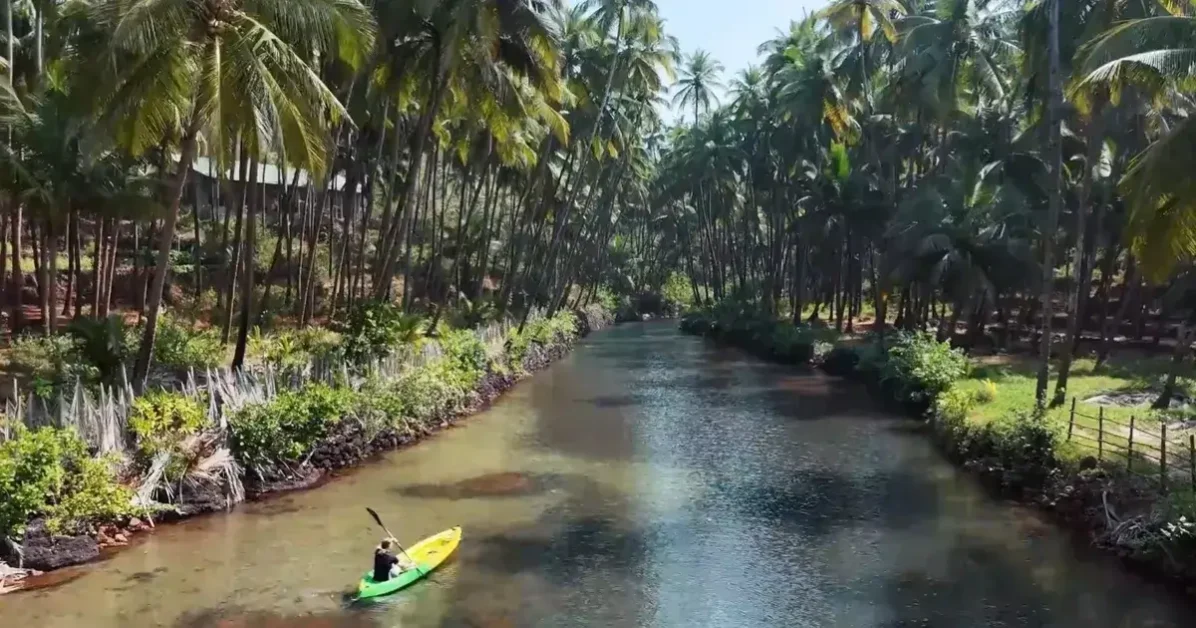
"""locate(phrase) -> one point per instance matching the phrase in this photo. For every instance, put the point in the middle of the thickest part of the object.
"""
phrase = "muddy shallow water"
(650, 479)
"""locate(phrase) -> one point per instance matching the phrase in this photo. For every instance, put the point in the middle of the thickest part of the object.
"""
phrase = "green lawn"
(1015, 380)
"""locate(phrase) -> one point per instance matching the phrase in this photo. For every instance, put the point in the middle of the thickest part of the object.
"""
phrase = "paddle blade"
(377, 519)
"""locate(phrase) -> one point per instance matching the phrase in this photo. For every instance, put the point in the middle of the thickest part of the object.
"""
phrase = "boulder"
(44, 551)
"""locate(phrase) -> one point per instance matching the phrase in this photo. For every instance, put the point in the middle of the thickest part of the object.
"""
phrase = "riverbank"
(258, 443)
(1017, 455)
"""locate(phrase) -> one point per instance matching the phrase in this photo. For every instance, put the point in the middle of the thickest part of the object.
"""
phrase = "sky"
(731, 30)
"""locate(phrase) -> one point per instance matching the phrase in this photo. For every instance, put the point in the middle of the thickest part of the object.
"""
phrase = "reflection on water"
(648, 480)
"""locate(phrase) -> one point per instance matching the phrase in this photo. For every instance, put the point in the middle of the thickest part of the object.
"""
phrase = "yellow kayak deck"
(427, 554)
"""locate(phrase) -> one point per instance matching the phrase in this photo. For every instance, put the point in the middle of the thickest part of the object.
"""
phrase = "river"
(649, 479)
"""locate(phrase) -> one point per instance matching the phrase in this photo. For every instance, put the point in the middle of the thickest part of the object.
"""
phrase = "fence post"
(1100, 435)
(1071, 424)
(1129, 456)
(1163, 458)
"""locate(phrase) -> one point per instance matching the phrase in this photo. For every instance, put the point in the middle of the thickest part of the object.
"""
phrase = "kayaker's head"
(385, 544)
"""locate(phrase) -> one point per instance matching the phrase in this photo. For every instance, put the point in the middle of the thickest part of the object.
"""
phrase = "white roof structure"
(269, 174)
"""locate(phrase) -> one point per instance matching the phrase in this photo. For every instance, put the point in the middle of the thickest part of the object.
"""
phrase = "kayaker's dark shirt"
(383, 561)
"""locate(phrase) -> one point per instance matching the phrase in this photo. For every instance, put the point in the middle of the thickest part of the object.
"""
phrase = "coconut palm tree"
(219, 70)
(699, 83)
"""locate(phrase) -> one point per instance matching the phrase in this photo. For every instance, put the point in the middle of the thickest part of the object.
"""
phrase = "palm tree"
(698, 83)
(1055, 161)
(438, 38)
(219, 70)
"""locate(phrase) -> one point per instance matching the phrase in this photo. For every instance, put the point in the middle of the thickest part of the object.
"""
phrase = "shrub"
(287, 428)
(1024, 440)
(373, 330)
(48, 471)
(919, 367)
(52, 362)
(466, 354)
(470, 314)
(562, 327)
(178, 346)
(791, 343)
(162, 421)
(293, 349)
(987, 392)
(954, 405)
(90, 493)
(841, 361)
(103, 343)
(677, 293)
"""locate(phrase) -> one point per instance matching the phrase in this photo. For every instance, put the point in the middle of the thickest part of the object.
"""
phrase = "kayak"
(427, 555)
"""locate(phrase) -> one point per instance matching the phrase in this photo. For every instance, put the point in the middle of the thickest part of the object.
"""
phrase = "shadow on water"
(508, 484)
(615, 401)
(816, 502)
(233, 618)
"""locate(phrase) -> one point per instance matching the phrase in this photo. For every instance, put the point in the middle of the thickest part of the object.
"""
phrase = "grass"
(1015, 382)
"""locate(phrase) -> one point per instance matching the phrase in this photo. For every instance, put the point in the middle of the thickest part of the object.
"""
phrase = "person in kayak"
(386, 564)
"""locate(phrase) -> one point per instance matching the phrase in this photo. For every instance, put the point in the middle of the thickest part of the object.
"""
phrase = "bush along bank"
(1022, 456)
(749, 328)
(206, 447)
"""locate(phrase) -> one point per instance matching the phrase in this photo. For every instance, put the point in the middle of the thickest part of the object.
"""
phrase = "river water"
(649, 479)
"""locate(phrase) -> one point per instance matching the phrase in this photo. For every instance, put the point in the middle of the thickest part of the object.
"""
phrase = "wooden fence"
(1145, 447)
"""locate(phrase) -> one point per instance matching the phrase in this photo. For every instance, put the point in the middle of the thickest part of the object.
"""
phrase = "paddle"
(378, 520)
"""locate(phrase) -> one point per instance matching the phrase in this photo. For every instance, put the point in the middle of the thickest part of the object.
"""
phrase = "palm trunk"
(99, 255)
(51, 294)
(162, 266)
(247, 281)
(394, 235)
(71, 227)
(234, 269)
(43, 275)
(1055, 152)
(110, 268)
(18, 276)
(1079, 276)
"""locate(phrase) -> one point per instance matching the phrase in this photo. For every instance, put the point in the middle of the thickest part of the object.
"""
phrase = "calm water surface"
(650, 479)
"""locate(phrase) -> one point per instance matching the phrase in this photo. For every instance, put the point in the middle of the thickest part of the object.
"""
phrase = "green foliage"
(293, 349)
(954, 405)
(90, 492)
(677, 293)
(52, 362)
(561, 327)
(1022, 440)
(49, 471)
(608, 299)
(103, 343)
(745, 324)
(373, 330)
(922, 367)
(179, 346)
(471, 314)
(161, 421)
(466, 354)
(987, 392)
(841, 361)
(282, 431)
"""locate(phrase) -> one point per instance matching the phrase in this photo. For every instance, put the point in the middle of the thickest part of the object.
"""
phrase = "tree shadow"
(491, 485)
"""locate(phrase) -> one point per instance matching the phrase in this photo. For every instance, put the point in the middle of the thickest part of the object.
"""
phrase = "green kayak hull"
(428, 554)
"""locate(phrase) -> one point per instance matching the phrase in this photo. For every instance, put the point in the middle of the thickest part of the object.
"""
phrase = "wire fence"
(1146, 447)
